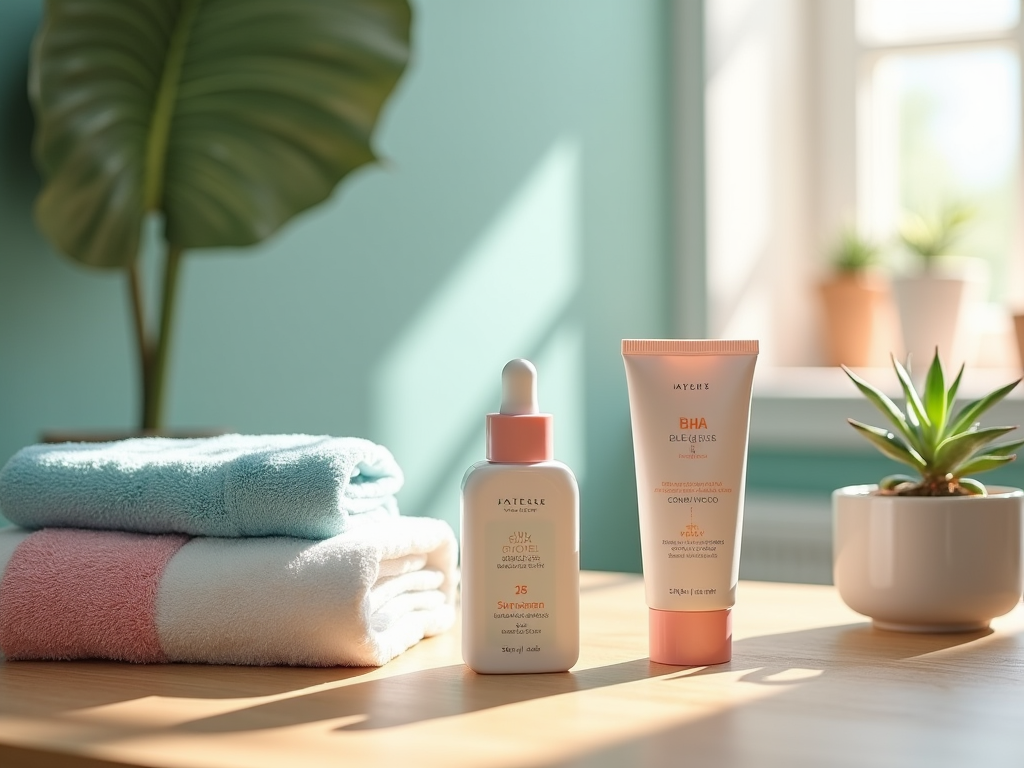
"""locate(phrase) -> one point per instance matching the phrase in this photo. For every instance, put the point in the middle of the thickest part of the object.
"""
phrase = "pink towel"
(70, 594)
(357, 599)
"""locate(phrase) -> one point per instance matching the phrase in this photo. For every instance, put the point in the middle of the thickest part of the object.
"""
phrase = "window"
(940, 125)
(833, 112)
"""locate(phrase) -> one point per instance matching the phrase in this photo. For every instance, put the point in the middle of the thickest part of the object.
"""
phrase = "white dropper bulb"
(519, 388)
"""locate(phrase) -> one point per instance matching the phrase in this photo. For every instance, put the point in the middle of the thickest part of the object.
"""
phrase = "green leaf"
(891, 481)
(955, 450)
(935, 395)
(853, 253)
(950, 402)
(1002, 448)
(992, 457)
(933, 235)
(890, 444)
(972, 485)
(970, 412)
(917, 418)
(884, 404)
(229, 117)
(983, 464)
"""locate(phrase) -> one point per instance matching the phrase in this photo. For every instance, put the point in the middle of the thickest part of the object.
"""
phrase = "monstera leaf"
(228, 117)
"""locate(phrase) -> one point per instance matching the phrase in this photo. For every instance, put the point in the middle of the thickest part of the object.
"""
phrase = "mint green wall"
(522, 211)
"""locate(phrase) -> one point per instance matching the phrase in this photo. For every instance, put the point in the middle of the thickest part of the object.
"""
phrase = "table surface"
(811, 684)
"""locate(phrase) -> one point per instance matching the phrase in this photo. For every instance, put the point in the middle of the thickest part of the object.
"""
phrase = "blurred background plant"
(219, 120)
(854, 253)
(930, 236)
(856, 303)
(941, 299)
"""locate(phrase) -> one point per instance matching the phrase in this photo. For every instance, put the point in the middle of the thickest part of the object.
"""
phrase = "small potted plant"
(936, 299)
(856, 304)
(938, 552)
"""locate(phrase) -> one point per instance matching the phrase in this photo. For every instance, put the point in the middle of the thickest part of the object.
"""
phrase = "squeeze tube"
(689, 405)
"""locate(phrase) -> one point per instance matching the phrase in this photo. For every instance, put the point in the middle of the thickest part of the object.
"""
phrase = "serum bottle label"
(520, 591)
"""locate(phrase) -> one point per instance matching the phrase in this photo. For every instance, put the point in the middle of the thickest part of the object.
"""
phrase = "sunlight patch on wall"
(739, 186)
(561, 362)
(511, 296)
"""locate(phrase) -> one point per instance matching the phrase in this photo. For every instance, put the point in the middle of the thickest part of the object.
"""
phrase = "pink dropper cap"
(519, 433)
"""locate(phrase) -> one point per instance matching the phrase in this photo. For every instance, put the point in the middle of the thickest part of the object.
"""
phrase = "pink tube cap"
(691, 638)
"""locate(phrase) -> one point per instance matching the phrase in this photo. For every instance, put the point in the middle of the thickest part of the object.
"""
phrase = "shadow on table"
(832, 650)
(813, 673)
(96, 683)
(455, 690)
(422, 695)
(923, 700)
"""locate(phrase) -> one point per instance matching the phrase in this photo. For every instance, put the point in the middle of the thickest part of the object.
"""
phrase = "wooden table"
(810, 684)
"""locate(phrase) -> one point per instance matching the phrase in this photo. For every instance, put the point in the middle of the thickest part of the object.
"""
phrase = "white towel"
(357, 599)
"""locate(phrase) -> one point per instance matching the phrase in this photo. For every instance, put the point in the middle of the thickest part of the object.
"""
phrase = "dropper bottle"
(520, 541)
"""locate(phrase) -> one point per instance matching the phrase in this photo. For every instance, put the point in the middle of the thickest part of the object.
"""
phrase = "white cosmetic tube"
(689, 404)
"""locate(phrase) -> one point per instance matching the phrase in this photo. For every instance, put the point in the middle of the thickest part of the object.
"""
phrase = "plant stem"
(154, 418)
(142, 342)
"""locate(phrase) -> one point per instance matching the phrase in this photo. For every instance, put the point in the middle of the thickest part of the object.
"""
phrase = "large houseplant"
(939, 551)
(224, 118)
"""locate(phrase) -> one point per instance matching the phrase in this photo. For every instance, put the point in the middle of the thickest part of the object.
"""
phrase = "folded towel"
(357, 599)
(232, 485)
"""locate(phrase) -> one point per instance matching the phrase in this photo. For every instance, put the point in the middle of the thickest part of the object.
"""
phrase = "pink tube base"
(690, 638)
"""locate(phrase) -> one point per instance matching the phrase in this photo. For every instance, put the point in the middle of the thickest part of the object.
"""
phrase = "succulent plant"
(931, 236)
(942, 446)
(854, 253)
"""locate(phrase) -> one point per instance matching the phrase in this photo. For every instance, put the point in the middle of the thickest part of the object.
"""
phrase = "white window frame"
(795, 404)
(840, 52)
(844, 178)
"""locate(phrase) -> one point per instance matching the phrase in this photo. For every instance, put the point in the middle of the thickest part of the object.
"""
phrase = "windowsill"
(808, 407)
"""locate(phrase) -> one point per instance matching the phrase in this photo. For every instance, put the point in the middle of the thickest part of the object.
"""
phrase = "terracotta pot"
(859, 319)
(1018, 326)
(935, 564)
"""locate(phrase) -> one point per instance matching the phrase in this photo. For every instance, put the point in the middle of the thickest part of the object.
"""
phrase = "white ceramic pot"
(939, 309)
(933, 564)
(932, 315)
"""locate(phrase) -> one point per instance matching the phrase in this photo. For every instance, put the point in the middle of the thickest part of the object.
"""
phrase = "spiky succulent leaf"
(983, 464)
(941, 447)
(970, 412)
(916, 415)
(935, 396)
(951, 397)
(891, 445)
(990, 458)
(854, 253)
(931, 235)
(886, 406)
(973, 486)
(890, 482)
(957, 449)
(1002, 449)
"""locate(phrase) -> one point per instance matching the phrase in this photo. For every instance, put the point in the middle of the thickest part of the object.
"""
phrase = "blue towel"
(232, 485)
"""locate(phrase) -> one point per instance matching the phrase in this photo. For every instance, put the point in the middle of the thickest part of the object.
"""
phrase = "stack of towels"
(239, 549)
